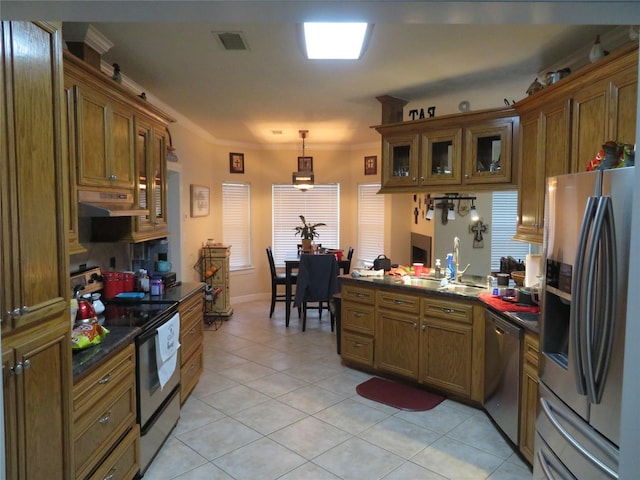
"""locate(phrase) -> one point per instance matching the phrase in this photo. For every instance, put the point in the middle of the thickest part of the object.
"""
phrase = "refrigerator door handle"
(547, 464)
(577, 307)
(550, 412)
(609, 286)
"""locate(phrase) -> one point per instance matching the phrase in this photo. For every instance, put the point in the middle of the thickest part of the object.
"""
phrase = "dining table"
(292, 264)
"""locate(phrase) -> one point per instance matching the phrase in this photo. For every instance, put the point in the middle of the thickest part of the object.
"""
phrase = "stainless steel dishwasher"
(502, 372)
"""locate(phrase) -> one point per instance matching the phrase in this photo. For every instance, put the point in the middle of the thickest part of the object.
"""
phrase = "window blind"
(370, 224)
(504, 213)
(236, 223)
(320, 204)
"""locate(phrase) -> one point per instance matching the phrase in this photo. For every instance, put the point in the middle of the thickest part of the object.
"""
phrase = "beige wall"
(204, 162)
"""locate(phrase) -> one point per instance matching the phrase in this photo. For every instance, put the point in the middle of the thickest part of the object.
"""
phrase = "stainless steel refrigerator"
(586, 251)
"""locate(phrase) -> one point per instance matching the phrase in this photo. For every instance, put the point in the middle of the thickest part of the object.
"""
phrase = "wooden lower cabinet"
(358, 324)
(529, 395)
(435, 340)
(446, 353)
(106, 436)
(397, 343)
(36, 378)
(191, 334)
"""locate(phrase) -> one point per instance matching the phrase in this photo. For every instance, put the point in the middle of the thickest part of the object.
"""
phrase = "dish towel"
(167, 344)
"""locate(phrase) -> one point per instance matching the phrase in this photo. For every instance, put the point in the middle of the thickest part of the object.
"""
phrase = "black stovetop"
(133, 314)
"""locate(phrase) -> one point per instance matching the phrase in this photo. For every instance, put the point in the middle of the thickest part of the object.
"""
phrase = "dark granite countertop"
(87, 359)
(465, 291)
(119, 337)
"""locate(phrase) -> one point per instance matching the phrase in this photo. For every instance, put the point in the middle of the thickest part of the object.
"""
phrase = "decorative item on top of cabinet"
(562, 126)
(213, 267)
(470, 150)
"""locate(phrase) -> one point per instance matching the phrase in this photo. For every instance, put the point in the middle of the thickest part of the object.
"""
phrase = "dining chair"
(347, 269)
(317, 282)
(277, 279)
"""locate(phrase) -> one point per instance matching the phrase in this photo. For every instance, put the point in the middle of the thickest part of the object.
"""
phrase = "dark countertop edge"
(85, 360)
(392, 282)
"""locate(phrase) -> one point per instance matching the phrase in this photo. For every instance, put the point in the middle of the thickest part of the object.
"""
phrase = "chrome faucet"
(456, 260)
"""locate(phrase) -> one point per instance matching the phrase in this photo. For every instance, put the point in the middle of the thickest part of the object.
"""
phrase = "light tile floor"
(276, 403)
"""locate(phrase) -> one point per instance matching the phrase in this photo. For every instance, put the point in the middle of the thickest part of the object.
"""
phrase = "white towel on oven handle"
(167, 344)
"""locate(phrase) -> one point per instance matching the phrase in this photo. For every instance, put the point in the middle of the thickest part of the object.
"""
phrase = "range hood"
(108, 204)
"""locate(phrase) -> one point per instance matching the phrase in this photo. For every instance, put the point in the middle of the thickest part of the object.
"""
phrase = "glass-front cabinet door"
(442, 157)
(143, 153)
(488, 152)
(400, 161)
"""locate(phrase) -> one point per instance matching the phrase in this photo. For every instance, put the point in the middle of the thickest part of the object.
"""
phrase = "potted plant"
(307, 233)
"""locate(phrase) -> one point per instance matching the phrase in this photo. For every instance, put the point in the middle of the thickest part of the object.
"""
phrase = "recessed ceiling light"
(340, 41)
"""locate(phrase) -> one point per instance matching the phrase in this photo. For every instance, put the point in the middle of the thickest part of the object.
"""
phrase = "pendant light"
(303, 180)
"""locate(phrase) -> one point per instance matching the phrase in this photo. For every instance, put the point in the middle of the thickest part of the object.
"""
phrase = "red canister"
(128, 281)
(113, 284)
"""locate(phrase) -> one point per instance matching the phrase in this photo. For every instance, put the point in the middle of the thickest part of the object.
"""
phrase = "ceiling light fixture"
(335, 41)
(303, 180)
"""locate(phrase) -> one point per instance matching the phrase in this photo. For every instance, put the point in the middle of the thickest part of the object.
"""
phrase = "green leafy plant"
(308, 230)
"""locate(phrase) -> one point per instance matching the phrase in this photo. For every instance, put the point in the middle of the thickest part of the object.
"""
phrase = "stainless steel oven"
(158, 407)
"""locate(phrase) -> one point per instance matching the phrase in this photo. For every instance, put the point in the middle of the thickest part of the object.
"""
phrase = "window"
(504, 213)
(370, 223)
(320, 204)
(236, 223)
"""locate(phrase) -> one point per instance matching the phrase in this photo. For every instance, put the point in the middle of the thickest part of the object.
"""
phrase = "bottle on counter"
(451, 274)
(143, 281)
(157, 287)
(438, 269)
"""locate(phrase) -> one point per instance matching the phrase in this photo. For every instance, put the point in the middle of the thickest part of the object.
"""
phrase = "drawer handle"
(105, 379)
(357, 294)
(401, 302)
(358, 314)
(357, 344)
(105, 419)
(110, 474)
(448, 310)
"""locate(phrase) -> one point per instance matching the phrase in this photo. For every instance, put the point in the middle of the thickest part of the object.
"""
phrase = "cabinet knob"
(19, 367)
(415, 325)
(113, 177)
(105, 419)
(110, 475)
(424, 327)
(466, 175)
(24, 309)
(414, 179)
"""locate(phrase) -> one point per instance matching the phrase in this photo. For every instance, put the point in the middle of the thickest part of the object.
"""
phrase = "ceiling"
(482, 52)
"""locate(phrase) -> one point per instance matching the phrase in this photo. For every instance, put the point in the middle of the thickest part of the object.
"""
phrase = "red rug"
(398, 395)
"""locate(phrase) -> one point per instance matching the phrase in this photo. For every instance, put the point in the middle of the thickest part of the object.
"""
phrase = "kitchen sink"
(422, 282)
(464, 289)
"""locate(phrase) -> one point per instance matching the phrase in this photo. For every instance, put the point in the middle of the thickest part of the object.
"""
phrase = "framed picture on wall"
(371, 165)
(305, 164)
(236, 162)
(199, 201)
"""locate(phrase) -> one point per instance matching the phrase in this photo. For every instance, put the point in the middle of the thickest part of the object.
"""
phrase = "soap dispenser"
(438, 268)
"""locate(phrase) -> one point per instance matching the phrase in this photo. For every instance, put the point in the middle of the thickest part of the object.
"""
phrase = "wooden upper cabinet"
(34, 178)
(151, 168)
(400, 160)
(442, 157)
(545, 153)
(105, 139)
(469, 152)
(488, 152)
(564, 126)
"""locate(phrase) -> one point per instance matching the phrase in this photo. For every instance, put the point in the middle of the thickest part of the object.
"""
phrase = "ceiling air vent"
(231, 40)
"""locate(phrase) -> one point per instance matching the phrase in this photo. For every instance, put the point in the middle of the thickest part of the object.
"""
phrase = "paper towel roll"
(533, 267)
